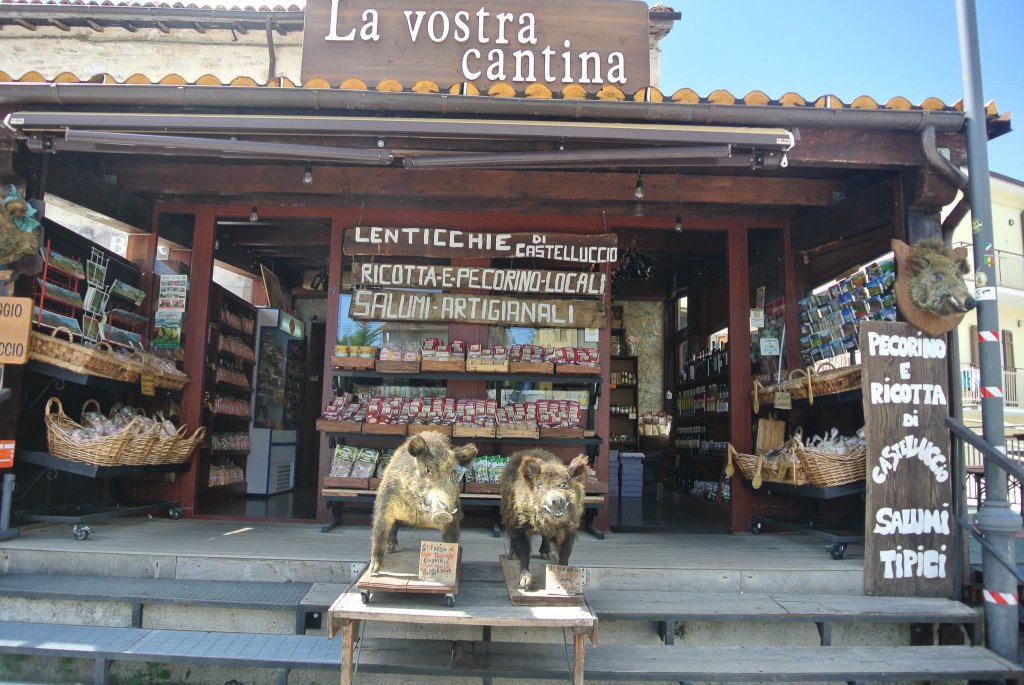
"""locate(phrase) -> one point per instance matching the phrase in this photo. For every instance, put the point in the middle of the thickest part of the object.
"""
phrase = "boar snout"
(556, 505)
(970, 303)
(442, 512)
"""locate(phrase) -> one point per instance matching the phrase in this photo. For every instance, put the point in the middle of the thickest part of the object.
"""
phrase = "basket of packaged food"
(798, 385)
(144, 430)
(172, 446)
(106, 362)
(780, 465)
(773, 459)
(833, 459)
(166, 374)
(829, 380)
(99, 445)
(65, 354)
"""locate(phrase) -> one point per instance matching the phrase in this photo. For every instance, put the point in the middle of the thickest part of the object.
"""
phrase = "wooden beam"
(479, 186)
(861, 212)
(849, 148)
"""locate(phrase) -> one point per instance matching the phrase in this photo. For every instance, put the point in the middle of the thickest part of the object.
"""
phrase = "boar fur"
(419, 488)
(935, 278)
(539, 494)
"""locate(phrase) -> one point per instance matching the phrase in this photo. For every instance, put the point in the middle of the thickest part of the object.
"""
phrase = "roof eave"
(339, 102)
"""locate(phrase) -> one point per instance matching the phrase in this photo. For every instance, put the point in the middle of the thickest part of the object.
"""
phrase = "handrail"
(991, 549)
(985, 447)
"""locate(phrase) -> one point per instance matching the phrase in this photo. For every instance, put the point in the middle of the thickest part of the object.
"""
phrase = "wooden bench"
(339, 498)
(502, 660)
(666, 609)
(138, 592)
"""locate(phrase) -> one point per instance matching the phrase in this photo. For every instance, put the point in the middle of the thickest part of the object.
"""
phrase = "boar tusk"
(454, 510)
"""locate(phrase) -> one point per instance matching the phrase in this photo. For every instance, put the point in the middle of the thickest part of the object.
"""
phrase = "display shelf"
(823, 399)
(47, 460)
(514, 441)
(722, 377)
(85, 380)
(565, 379)
(225, 304)
(703, 416)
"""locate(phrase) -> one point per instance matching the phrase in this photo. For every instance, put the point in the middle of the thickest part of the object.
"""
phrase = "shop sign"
(393, 305)
(525, 281)
(593, 43)
(15, 325)
(909, 519)
(453, 243)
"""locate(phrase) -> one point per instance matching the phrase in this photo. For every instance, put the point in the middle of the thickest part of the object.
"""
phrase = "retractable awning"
(618, 144)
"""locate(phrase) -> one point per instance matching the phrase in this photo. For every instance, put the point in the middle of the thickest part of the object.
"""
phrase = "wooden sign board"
(592, 43)
(909, 521)
(396, 305)
(445, 243)
(782, 400)
(15, 325)
(522, 281)
(438, 561)
(564, 580)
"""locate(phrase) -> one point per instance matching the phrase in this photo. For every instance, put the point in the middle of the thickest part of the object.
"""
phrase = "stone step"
(283, 607)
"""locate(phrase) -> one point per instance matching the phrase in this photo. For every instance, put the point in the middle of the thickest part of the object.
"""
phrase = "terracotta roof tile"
(127, 4)
(686, 96)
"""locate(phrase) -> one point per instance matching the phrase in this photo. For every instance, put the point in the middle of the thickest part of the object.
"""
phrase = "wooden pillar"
(795, 283)
(740, 405)
(334, 267)
(197, 318)
(602, 416)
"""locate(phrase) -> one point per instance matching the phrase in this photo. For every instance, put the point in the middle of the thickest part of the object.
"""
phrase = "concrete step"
(227, 605)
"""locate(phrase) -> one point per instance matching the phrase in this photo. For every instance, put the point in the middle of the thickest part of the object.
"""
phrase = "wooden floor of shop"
(198, 548)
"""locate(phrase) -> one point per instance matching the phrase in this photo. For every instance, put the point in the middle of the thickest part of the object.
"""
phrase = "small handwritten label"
(564, 580)
(783, 400)
(438, 561)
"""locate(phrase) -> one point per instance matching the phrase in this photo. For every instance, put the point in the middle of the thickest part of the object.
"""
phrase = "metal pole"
(6, 532)
(997, 522)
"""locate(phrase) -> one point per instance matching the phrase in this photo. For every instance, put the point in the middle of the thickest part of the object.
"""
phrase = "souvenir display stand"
(92, 380)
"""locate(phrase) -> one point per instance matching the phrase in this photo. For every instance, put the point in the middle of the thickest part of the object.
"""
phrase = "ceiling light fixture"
(254, 215)
(307, 178)
(679, 223)
(638, 194)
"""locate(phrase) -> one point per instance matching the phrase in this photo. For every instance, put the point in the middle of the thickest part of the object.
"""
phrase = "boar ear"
(417, 447)
(960, 256)
(529, 468)
(578, 468)
(465, 453)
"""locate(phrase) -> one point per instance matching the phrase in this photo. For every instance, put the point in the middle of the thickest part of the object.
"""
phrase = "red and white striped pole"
(995, 519)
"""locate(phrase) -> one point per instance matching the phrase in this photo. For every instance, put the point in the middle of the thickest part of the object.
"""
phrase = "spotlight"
(638, 194)
(253, 215)
(679, 223)
(307, 177)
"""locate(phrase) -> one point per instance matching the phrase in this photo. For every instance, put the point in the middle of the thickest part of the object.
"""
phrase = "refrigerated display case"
(280, 366)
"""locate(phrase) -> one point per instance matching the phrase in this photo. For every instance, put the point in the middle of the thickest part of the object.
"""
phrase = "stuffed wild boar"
(539, 494)
(419, 488)
(935, 278)
(15, 244)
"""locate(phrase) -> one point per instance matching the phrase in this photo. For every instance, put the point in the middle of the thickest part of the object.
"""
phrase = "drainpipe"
(272, 67)
(995, 519)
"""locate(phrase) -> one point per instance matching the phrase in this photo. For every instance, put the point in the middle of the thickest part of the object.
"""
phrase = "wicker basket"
(784, 467)
(166, 374)
(109, 363)
(139, 443)
(828, 469)
(175, 449)
(798, 385)
(63, 442)
(828, 380)
(66, 354)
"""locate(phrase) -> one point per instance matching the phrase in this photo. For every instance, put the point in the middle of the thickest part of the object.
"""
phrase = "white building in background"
(1008, 253)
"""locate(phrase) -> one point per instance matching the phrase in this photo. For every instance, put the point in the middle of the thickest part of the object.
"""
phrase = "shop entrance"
(669, 398)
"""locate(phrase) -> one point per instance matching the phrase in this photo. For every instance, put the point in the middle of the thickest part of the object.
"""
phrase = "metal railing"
(970, 384)
(1009, 268)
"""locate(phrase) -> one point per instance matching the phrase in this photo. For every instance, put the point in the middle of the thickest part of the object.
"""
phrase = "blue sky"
(849, 48)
